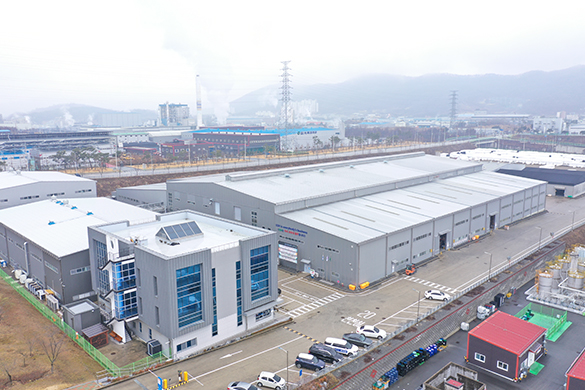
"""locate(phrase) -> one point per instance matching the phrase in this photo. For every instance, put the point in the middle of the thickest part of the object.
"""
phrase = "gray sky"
(137, 54)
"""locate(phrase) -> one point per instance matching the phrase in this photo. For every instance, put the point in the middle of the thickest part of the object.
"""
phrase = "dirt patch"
(22, 328)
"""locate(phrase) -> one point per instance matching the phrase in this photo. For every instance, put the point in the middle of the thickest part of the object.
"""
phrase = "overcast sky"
(137, 54)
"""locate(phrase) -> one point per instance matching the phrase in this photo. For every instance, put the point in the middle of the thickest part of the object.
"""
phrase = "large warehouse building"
(48, 240)
(21, 187)
(361, 220)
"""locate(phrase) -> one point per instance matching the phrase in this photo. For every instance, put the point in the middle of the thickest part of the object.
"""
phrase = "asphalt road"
(320, 310)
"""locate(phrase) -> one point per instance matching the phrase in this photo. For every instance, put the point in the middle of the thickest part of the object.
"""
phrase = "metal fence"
(111, 370)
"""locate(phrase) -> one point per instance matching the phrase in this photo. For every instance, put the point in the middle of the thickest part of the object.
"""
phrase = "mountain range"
(534, 93)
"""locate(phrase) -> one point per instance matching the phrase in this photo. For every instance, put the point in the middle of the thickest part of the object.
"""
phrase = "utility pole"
(285, 99)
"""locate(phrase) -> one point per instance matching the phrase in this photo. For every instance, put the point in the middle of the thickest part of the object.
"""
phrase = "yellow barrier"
(364, 285)
(351, 287)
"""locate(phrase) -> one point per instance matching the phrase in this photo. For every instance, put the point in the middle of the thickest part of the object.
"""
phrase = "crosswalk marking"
(314, 305)
(428, 283)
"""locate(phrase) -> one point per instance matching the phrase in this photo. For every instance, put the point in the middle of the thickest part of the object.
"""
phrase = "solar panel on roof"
(181, 230)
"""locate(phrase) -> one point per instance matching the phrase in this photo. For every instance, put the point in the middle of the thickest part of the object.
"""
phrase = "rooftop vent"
(89, 213)
(73, 207)
(321, 170)
(51, 222)
(351, 166)
(286, 175)
(385, 161)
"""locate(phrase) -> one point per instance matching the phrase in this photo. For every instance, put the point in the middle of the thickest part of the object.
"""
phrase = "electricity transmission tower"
(285, 99)
(453, 109)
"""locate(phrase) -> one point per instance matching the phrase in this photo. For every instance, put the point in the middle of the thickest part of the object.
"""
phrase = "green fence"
(111, 370)
(558, 317)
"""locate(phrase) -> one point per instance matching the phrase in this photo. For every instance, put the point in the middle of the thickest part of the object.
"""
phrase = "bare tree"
(52, 345)
(23, 354)
(7, 368)
(31, 341)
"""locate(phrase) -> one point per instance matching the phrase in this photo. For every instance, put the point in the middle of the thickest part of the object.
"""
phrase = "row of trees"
(88, 156)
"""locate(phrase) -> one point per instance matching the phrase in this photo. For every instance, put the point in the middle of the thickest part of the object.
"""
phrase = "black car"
(325, 353)
(306, 360)
(357, 339)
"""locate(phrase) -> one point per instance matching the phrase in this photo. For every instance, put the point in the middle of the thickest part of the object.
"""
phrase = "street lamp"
(282, 349)
(490, 271)
(418, 306)
(539, 236)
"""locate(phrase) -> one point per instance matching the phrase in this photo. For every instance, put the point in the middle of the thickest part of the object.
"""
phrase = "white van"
(341, 346)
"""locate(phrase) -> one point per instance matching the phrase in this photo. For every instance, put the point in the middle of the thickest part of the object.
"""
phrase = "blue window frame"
(213, 285)
(101, 253)
(259, 272)
(239, 292)
(189, 295)
(123, 275)
(125, 304)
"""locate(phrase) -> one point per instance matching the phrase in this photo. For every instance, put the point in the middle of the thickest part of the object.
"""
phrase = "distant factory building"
(22, 187)
(361, 220)
(173, 114)
(561, 182)
(239, 141)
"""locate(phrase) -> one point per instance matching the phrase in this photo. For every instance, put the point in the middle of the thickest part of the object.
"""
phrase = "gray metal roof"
(443, 189)
(19, 178)
(61, 228)
(292, 184)
(365, 218)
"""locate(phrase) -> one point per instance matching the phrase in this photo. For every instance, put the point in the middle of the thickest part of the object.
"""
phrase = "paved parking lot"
(319, 310)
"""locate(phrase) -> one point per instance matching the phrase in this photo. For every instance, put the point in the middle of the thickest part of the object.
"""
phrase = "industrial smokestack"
(199, 116)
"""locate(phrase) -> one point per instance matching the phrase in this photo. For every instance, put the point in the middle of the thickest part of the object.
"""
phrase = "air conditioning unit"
(153, 347)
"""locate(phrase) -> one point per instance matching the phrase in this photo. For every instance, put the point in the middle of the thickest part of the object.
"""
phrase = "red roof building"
(576, 373)
(505, 345)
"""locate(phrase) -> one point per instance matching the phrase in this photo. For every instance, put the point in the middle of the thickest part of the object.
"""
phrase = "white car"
(270, 380)
(437, 295)
(371, 331)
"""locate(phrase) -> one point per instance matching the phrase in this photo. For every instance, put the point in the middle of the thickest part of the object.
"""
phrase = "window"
(502, 366)
(123, 275)
(138, 277)
(263, 314)
(214, 331)
(101, 253)
(399, 245)
(155, 286)
(187, 344)
(140, 306)
(77, 270)
(189, 295)
(125, 304)
(104, 281)
(51, 267)
(239, 291)
(237, 213)
(156, 316)
(150, 333)
(479, 357)
(259, 272)
(217, 208)
(140, 326)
